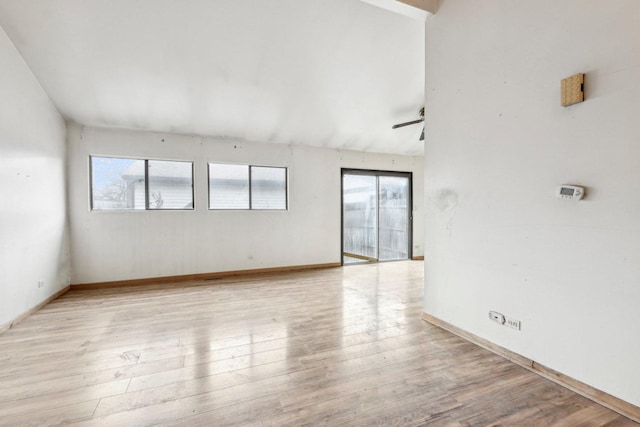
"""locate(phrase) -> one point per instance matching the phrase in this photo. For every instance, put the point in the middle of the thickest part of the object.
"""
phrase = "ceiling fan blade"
(413, 122)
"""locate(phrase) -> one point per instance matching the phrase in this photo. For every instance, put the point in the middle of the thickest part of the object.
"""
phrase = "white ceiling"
(329, 73)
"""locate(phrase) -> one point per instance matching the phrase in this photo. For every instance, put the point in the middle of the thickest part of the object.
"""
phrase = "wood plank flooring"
(342, 346)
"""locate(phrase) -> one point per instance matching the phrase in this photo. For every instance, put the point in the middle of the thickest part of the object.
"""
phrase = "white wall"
(33, 225)
(108, 246)
(498, 144)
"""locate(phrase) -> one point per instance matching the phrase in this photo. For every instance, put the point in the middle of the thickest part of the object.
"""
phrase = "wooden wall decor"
(572, 89)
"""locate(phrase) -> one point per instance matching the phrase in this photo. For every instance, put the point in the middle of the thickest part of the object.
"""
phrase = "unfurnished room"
(306, 212)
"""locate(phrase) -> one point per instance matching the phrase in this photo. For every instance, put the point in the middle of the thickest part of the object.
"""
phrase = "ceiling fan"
(413, 122)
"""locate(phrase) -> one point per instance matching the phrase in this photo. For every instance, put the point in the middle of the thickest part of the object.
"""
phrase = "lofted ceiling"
(327, 73)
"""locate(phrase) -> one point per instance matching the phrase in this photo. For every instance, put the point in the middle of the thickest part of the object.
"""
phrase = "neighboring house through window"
(136, 184)
(247, 187)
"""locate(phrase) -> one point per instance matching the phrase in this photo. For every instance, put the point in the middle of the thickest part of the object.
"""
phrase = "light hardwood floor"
(343, 346)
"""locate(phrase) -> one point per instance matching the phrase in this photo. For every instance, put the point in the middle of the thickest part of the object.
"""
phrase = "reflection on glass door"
(376, 216)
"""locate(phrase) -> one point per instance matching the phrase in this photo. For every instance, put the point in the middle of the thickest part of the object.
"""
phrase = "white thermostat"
(570, 192)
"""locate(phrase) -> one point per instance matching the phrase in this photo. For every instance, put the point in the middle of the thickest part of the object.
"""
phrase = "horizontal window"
(247, 187)
(136, 184)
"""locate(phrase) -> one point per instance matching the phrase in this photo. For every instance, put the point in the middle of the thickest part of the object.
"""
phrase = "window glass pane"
(170, 184)
(117, 183)
(268, 188)
(360, 218)
(393, 199)
(228, 186)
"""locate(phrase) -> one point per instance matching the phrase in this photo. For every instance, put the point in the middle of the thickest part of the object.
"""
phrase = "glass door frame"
(378, 174)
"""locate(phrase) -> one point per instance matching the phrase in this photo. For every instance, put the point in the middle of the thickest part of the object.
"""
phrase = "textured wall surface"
(499, 144)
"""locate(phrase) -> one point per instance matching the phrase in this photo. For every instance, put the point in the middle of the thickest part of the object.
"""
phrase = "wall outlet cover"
(512, 323)
(496, 317)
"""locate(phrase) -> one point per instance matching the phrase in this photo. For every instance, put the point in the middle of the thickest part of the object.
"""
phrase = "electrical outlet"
(40, 283)
(496, 317)
(512, 323)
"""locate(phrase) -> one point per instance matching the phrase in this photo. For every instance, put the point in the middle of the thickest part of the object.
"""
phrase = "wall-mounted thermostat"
(570, 192)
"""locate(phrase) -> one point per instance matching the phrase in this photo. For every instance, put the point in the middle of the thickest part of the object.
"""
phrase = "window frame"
(146, 207)
(250, 208)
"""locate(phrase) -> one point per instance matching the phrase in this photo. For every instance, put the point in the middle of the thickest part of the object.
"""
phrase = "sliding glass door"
(376, 216)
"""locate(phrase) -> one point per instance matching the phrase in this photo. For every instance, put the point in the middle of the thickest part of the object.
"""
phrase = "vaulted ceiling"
(328, 73)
